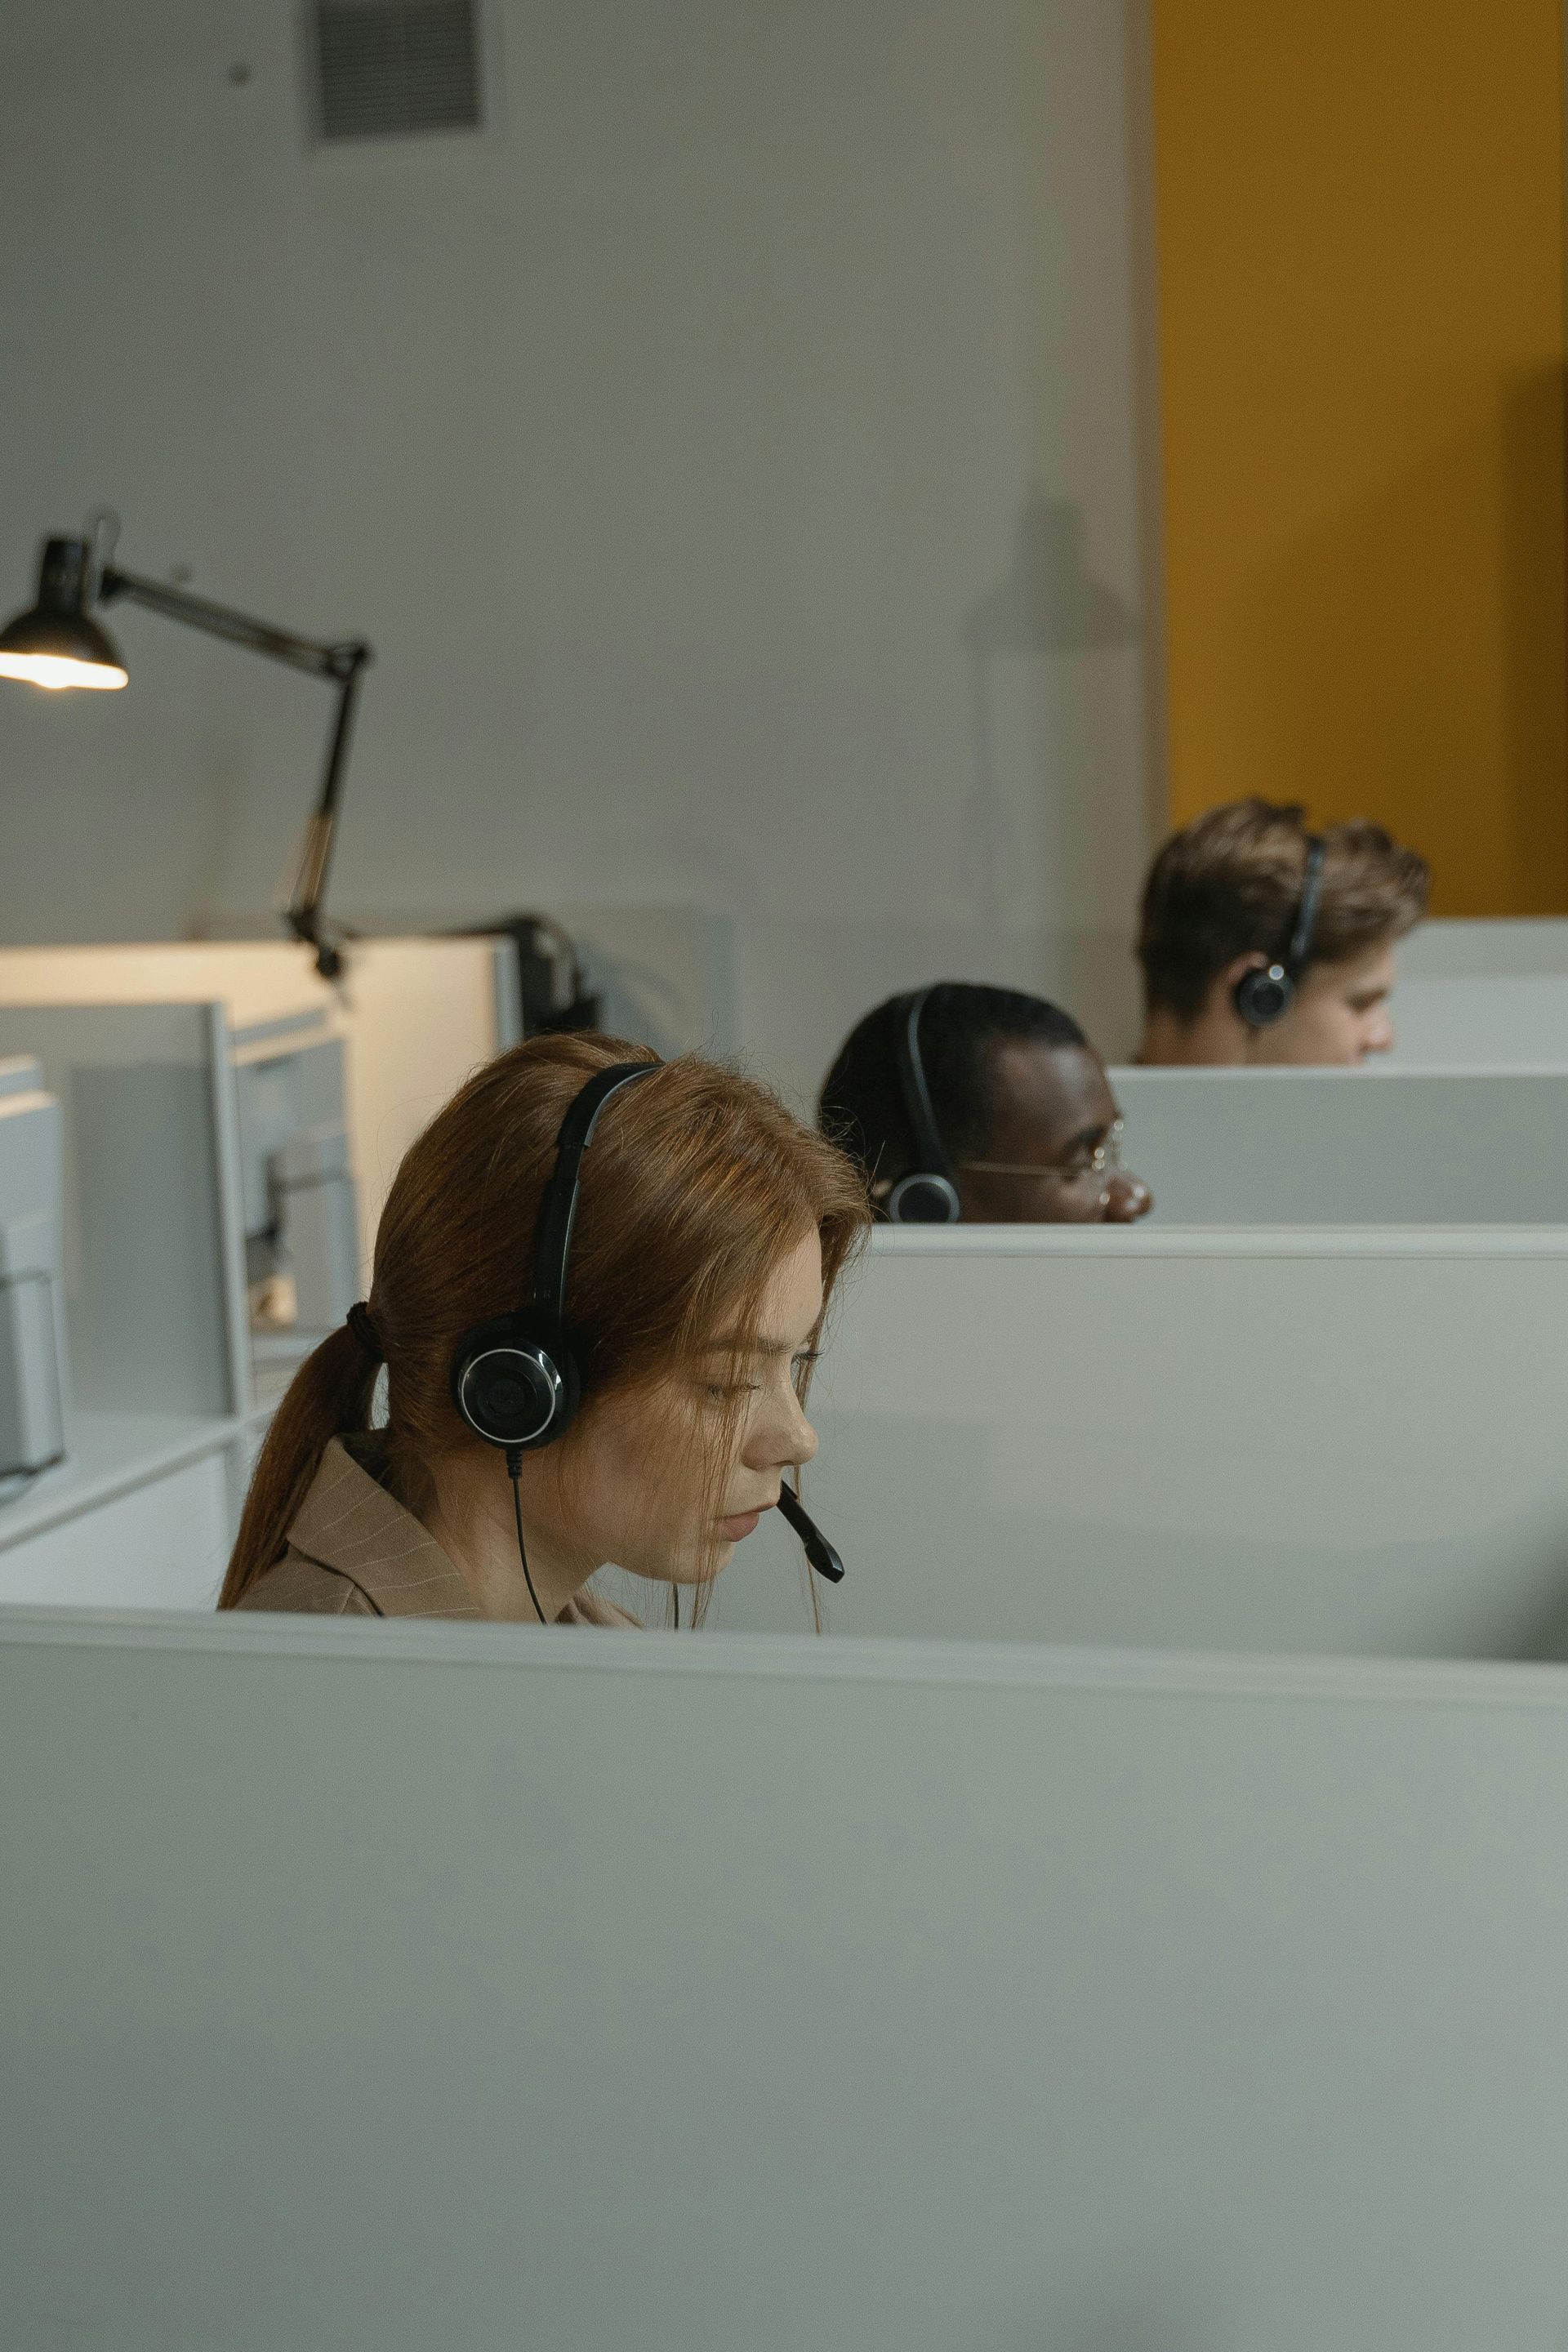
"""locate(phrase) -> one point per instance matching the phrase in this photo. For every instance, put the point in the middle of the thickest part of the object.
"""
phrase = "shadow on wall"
(1049, 827)
(1049, 602)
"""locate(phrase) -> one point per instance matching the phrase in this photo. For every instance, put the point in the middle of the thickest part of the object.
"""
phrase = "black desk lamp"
(59, 645)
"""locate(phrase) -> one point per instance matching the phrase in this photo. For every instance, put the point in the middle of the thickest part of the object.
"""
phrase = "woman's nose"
(781, 1438)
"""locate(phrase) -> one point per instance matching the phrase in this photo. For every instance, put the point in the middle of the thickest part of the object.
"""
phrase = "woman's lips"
(736, 1529)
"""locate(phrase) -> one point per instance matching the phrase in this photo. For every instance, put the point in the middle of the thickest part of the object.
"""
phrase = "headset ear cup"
(514, 1379)
(514, 1385)
(922, 1199)
(1264, 996)
(571, 1395)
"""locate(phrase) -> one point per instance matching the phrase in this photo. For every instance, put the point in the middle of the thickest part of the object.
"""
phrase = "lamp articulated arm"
(343, 664)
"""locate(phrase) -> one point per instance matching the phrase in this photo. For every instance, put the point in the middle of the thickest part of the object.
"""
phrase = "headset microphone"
(817, 1549)
(515, 1380)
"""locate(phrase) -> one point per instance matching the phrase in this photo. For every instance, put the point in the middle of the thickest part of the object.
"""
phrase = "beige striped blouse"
(354, 1551)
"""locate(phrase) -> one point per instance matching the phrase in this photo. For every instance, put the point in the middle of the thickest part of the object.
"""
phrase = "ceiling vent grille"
(392, 68)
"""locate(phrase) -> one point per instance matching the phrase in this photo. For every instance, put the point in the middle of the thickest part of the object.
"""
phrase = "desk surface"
(110, 1454)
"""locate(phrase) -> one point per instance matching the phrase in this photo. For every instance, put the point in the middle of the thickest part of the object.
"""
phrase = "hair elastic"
(358, 1319)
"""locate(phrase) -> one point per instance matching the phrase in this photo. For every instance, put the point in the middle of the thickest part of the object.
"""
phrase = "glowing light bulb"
(57, 671)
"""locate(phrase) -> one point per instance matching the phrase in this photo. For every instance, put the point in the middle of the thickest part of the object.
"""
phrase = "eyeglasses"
(1099, 1165)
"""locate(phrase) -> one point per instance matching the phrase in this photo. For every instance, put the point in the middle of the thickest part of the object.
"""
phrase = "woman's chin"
(684, 1573)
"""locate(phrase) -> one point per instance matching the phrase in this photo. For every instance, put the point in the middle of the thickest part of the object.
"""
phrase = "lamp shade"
(56, 644)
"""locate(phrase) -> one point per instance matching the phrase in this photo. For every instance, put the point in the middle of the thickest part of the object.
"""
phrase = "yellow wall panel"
(1360, 220)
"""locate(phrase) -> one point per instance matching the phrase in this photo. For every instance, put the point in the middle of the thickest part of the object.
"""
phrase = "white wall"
(673, 448)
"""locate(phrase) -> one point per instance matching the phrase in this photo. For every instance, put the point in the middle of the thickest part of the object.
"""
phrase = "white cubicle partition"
(148, 1048)
(142, 1509)
(1483, 993)
(153, 1261)
(1371, 1145)
(1485, 948)
(416, 1985)
(417, 1015)
(1500, 1021)
(1330, 1442)
(34, 1382)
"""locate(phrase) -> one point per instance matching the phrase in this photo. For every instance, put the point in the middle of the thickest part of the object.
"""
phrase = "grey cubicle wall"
(1484, 947)
(1341, 1442)
(1483, 993)
(417, 1014)
(1371, 1145)
(34, 1382)
(1498, 1021)
(408, 1985)
(143, 1508)
(154, 1229)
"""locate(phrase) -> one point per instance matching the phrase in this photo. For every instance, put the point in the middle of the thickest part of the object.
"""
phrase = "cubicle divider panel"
(257, 980)
(1498, 1021)
(1480, 947)
(417, 1015)
(34, 1380)
(1331, 1441)
(154, 1231)
(1482, 993)
(124, 1530)
(417, 1985)
(1372, 1146)
(421, 1015)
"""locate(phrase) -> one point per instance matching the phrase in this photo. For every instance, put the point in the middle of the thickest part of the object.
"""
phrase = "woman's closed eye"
(720, 1392)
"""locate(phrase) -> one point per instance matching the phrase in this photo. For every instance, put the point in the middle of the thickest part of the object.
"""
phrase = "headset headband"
(929, 1154)
(1300, 945)
(559, 1211)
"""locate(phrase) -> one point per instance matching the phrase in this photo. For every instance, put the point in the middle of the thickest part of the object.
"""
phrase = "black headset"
(516, 1379)
(1266, 995)
(929, 1194)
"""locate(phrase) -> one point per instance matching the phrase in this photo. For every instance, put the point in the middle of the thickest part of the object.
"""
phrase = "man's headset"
(516, 1379)
(1266, 995)
(929, 1194)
